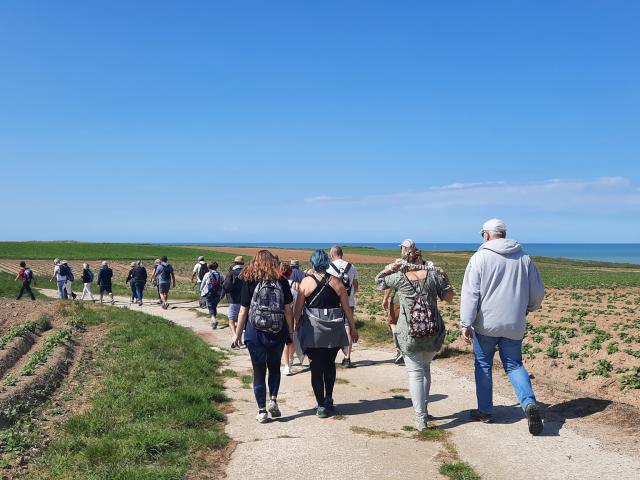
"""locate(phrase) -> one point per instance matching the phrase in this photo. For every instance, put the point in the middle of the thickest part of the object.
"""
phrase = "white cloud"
(601, 193)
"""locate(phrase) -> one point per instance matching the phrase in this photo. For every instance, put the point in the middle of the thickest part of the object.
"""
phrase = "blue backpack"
(90, 276)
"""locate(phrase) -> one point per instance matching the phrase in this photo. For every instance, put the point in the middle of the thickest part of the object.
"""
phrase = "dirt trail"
(299, 445)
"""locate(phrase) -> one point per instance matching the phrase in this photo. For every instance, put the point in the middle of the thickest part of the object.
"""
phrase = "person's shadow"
(553, 416)
(556, 415)
(362, 407)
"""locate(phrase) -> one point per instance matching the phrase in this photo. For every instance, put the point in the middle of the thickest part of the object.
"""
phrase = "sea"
(602, 252)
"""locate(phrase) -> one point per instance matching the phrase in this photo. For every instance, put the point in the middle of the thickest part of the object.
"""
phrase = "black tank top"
(324, 296)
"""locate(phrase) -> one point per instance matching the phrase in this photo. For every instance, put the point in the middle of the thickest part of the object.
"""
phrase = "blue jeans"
(265, 359)
(484, 349)
(137, 288)
(62, 290)
(212, 303)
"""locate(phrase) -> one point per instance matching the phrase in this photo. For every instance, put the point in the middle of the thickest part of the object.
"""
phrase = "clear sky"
(326, 121)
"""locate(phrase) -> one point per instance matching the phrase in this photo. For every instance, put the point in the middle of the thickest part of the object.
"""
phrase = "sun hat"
(294, 263)
(238, 259)
(200, 258)
(105, 263)
(64, 262)
(494, 225)
(408, 243)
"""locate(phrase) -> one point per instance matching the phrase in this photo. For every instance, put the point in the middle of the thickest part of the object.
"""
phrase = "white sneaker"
(262, 417)
(286, 370)
(273, 408)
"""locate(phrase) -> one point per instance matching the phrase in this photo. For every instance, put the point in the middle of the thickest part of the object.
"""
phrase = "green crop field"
(99, 251)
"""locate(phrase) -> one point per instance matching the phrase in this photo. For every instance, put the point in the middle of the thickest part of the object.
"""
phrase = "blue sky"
(319, 121)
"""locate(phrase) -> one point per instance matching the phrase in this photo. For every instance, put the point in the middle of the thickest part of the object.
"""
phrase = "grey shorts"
(234, 310)
(164, 287)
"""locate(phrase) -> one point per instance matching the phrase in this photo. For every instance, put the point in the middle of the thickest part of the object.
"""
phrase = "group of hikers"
(275, 310)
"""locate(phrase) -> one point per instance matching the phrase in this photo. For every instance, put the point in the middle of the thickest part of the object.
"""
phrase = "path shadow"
(502, 414)
(555, 416)
(372, 363)
(362, 407)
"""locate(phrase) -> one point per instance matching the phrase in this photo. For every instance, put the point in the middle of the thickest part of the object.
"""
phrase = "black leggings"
(323, 372)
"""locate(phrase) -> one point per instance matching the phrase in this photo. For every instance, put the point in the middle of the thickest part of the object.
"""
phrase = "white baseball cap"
(408, 243)
(494, 225)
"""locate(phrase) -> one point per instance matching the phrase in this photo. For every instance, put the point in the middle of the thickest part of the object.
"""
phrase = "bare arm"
(297, 310)
(386, 299)
(242, 320)
(288, 315)
(356, 285)
(173, 278)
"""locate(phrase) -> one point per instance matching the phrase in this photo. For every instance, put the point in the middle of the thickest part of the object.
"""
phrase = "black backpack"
(344, 278)
(64, 271)
(203, 271)
(266, 312)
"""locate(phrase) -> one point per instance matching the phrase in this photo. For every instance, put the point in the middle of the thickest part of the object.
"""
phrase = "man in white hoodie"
(501, 285)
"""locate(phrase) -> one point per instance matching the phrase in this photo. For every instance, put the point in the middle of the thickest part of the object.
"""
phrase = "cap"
(408, 243)
(294, 263)
(200, 258)
(239, 259)
(105, 263)
(494, 225)
(64, 262)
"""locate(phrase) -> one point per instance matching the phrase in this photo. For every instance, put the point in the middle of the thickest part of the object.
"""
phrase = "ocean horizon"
(602, 252)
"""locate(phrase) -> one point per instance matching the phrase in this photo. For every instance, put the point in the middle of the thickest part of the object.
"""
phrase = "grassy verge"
(154, 410)
(9, 288)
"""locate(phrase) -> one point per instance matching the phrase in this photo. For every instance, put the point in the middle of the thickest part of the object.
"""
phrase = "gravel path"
(367, 441)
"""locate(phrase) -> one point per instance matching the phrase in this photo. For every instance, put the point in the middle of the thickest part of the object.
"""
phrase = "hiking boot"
(140, 303)
(321, 412)
(262, 416)
(481, 416)
(328, 404)
(273, 408)
(534, 419)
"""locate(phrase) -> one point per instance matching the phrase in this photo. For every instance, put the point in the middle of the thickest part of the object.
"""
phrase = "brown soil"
(301, 255)
(13, 312)
(44, 269)
(576, 312)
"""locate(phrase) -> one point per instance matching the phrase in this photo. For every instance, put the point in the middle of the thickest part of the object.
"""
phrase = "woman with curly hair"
(266, 302)
(321, 308)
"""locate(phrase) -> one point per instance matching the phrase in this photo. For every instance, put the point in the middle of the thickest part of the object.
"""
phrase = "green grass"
(458, 471)
(111, 251)
(374, 332)
(155, 408)
(9, 288)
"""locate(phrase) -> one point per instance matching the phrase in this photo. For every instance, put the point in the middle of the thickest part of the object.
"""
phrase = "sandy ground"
(299, 445)
(300, 255)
